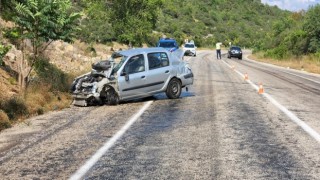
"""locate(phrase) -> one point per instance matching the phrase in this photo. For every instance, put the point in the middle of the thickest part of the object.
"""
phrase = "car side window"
(158, 60)
(135, 64)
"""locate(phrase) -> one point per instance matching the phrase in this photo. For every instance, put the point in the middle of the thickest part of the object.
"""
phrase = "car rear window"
(157, 60)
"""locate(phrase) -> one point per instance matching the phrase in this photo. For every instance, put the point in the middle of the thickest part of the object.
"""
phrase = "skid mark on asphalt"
(294, 82)
(292, 116)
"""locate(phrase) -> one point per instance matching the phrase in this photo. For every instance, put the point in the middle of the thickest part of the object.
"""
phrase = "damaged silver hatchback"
(131, 74)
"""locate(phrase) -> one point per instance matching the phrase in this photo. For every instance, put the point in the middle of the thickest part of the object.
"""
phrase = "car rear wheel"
(174, 89)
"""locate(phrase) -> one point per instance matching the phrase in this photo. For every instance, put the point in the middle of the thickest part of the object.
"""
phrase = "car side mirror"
(125, 74)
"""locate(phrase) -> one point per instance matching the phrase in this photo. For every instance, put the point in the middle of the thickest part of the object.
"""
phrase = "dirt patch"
(77, 57)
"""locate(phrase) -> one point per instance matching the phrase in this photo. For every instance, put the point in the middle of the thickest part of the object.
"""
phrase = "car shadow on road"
(159, 97)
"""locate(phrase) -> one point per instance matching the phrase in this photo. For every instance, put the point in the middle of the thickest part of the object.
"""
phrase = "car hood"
(189, 48)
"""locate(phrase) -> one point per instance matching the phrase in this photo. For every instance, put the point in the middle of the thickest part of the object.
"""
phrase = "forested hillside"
(242, 22)
(248, 23)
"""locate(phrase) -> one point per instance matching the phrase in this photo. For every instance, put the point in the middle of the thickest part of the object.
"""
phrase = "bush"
(15, 107)
(4, 120)
(317, 55)
(279, 52)
(3, 52)
(13, 35)
(40, 111)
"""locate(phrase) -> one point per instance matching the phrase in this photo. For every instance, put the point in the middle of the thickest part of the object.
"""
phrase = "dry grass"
(8, 85)
(305, 63)
(4, 120)
(41, 100)
(37, 100)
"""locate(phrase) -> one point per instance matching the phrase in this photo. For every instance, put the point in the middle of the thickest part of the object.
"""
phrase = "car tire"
(91, 101)
(229, 56)
(174, 89)
(240, 58)
(112, 97)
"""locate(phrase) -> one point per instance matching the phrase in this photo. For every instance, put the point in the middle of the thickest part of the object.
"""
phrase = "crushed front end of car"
(90, 88)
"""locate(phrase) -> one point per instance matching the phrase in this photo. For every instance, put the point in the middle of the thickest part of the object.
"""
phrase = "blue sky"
(292, 5)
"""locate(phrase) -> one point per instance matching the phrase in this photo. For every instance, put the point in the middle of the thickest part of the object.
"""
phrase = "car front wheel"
(111, 96)
(174, 89)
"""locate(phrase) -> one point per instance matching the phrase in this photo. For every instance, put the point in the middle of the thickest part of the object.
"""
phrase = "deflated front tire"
(112, 97)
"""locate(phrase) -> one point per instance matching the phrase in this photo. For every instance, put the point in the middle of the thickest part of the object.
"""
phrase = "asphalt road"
(220, 129)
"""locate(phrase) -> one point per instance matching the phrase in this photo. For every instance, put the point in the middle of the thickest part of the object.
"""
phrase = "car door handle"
(167, 71)
(142, 77)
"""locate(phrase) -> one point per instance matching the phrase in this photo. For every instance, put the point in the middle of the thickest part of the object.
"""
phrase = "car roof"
(131, 52)
(235, 47)
(142, 50)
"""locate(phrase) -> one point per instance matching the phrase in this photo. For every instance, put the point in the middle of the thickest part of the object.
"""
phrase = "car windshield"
(189, 45)
(167, 44)
(118, 59)
(235, 48)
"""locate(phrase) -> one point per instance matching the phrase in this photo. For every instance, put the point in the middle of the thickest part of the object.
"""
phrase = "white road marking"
(292, 116)
(95, 158)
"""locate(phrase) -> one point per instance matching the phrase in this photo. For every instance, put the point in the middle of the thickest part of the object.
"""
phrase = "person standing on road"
(218, 48)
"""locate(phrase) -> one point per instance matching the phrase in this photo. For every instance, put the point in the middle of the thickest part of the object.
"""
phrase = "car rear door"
(159, 71)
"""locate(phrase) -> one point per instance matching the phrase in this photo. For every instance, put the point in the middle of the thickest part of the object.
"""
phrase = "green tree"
(95, 26)
(312, 28)
(42, 22)
(6, 8)
(3, 51)
(297, 42)
(133, 20)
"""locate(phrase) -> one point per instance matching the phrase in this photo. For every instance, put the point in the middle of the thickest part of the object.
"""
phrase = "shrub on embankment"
(47, 91)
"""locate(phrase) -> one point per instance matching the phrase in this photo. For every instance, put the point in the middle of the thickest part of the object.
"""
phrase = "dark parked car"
(235, 51)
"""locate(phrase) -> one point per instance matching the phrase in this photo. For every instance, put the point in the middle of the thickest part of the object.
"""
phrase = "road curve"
(220, 129)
